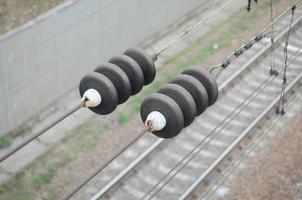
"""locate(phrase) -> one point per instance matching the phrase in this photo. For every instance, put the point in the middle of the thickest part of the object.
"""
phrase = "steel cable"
(243, 155)
(188, 30)
(272, 58)
(203, 140)
(252, 41)
(280, 108)
(197, 146)
(103, 166)
(39, 133)
(192, 28)
(42, 131)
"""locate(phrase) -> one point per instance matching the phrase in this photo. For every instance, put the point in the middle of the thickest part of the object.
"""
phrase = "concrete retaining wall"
(48, 56)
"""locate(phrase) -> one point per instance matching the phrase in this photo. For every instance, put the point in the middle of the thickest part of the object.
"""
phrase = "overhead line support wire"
(258, 37)
(103, 166)
(292, 59)
(180, 36)
(42, 131)
(280, 108)
(198, 148)
(236, 52)
(210, 134)
(273, 70)
(191, 28)
(243, 155)
(170, 44)
(188, 30)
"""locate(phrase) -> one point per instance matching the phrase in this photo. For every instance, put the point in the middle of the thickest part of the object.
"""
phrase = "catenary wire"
(200, 143)
(243, 155)
(298, 52)
(42, 131)
(193, 150)
(252, 41)
(188, 30)
(192, 28)
(170, 44)
(272, 58)
(215, 128)
(52, 124)
(271, 24)
(103, 166)
(280, 108)
(197, 148)
(293, 58)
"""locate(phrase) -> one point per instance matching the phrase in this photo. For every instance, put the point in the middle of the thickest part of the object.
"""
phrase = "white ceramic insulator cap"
(156, 121)
(93, 98)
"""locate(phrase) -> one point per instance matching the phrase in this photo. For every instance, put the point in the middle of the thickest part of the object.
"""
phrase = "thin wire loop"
(31, 138)
(280, 108)
(273, 70)
(188, 30)
(239, 51)
(210, 134)
(214, 133)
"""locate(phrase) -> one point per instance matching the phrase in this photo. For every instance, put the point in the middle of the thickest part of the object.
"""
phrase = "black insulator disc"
(145, 62)
(183, 98)
(207, 80)
(169, 108)
(106, 89)
(196, 89)
(119, 79)
(133, 71)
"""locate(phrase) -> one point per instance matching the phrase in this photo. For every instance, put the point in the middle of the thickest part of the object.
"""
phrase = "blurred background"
(47, 46)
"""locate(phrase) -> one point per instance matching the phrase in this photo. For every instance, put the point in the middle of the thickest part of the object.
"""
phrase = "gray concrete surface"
(46, 58)
(54, 136)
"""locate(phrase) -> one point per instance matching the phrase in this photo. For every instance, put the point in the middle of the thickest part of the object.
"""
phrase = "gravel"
(275, 172)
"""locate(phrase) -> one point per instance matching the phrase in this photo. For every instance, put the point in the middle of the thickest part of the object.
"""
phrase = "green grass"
(87, 143)
(123, 118)
(85, 138)
(26, 183)
(23, 130)
(39, 179)
(223, 34)
(5, 142)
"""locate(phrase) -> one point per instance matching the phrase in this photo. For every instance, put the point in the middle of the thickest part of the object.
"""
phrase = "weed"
(39, 179)
(5, 142)
(85, 137)
(123, 118)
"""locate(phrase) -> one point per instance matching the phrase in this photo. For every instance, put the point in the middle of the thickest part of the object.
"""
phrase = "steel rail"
(244, 154)
(222, 88)
(249, 129)
(198, 148)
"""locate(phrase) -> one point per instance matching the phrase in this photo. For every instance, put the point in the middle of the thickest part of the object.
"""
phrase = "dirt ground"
(77, 156)
(14, 13)
(276, 172)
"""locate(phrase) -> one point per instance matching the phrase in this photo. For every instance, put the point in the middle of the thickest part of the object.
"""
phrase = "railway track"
(141, 172)
(247, 147)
